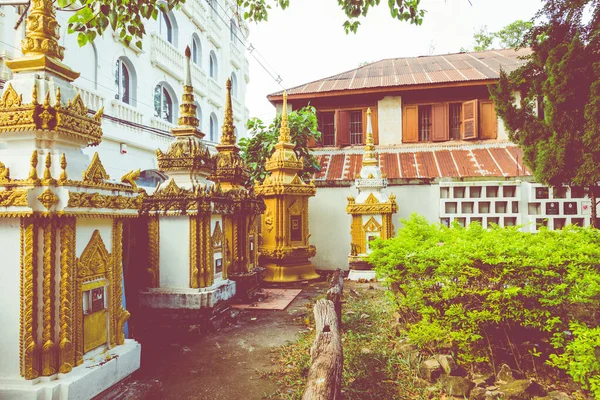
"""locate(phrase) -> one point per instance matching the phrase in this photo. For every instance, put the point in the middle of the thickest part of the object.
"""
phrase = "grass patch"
(373, 366)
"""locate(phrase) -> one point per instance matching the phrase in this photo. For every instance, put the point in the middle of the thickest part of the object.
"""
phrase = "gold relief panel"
(97, 200)
(14, 197)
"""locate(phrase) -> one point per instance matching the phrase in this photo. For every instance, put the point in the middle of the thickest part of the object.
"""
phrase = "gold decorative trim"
(153, 252)
(119, 315)
(14, 197)
(97, 200)
(193, 251)
(95, 173)
(67, 274)
(48, 199)
(130, 178)
(49, 273)
(29, 357)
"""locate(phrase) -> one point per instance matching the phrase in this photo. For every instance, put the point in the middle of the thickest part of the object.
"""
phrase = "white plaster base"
(83, 382)
(187, 299)
(358, 274)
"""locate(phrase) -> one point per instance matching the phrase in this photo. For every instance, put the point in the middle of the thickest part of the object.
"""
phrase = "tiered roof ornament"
(231, 171)
(188, 152)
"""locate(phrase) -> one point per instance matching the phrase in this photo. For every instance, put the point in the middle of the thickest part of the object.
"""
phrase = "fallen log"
(325, 373)
(336, 288)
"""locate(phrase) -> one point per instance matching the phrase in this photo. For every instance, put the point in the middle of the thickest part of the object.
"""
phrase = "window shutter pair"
(479, 120)
(439, 123)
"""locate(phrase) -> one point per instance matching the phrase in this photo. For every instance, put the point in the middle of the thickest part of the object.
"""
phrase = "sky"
(307, 41)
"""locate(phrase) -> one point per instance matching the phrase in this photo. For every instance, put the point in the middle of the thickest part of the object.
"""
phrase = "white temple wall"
(9, 298)
(85, 229)
(174, 252)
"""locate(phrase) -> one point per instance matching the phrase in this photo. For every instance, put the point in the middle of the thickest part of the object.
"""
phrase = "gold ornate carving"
(296, 208)
(10, 98)
(66, 357)
(48, 347)
(95, 172)
(97, 200)
(372, 225)
(118, 315)
(217, 237)
(193, 251)
(14, 197)
(29, 355)
(130, 178)
(48, 198)
(95, 258)
(228, 130)
(186, 154)
(371, 199)
(4, 174)
(153, 252)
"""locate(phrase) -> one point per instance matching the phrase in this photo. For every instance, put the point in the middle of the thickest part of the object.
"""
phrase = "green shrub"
(498, 295)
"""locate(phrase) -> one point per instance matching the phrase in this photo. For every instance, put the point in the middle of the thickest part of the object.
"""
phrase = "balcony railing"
(215, 92)
(196, 10)
(161, 124)
(166, 56)
(126, 112)
(237, 58)
(199, 80)
(91, 99)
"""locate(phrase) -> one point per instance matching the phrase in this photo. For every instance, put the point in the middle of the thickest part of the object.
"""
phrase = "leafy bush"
(499, 295)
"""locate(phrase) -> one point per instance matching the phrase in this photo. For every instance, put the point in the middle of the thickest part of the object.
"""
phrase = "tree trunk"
(325, 373)
(335, 292)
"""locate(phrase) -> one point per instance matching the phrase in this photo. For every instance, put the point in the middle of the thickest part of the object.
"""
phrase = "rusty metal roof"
(405, 72)
(497, 159)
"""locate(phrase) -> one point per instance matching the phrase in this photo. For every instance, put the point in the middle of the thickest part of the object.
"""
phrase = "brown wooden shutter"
(440, 129)
(343, 128)
(410, 124)
(488, 123)
(375, 124)
(470, 120)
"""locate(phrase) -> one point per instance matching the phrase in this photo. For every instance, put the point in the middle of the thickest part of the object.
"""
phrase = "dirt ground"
(224, 364)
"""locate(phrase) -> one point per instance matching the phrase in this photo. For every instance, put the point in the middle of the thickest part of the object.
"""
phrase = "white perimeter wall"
(9, 297)
(329, 223)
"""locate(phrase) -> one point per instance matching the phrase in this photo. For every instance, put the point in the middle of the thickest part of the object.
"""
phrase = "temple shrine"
(61, 228)
(371, 210)
(285, 249)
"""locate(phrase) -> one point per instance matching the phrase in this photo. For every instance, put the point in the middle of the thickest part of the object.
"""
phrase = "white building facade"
(140, 90)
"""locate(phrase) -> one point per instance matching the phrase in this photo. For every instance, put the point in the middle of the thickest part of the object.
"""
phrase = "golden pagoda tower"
(284, 247)
(371, 210)
(240, 228)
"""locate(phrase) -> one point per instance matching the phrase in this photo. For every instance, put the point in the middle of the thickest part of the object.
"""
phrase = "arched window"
(124, 81)
(165, 27)
(213, 66)
(234, 85)
(163, 103)
(214, 128)
(196, 50)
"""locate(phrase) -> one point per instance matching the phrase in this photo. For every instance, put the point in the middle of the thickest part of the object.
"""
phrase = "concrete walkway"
(225, 364)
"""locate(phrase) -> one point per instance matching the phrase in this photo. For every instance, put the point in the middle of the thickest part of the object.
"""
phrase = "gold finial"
(57, 104)
(284, 132)
(34, 95)
(370, 157)
(48, 180)
(40, 46)
(187, 123)
(228, 130)
(33, 176)
(63, 168)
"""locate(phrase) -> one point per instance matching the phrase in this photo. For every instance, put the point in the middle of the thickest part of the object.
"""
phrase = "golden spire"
(40, 47)
(33, 176)
(187, 123)
(48, 180)
(284, 132)
(370, 157)
(63, 168)
(228, 130)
